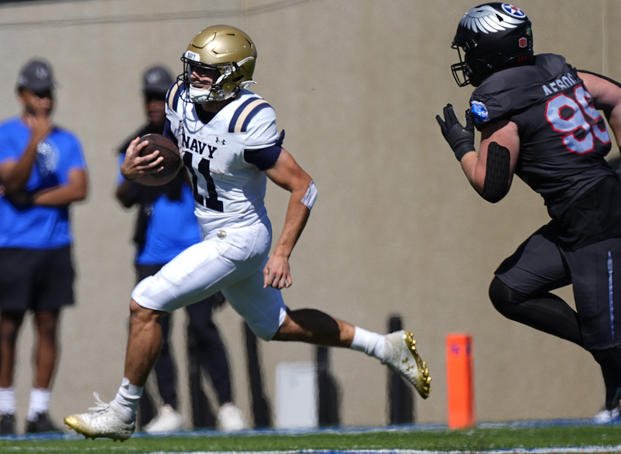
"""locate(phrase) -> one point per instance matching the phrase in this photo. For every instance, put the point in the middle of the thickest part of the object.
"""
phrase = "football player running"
(229, 142)
(543, 120)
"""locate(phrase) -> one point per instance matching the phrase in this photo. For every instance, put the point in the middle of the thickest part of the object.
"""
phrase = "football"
(171, 164)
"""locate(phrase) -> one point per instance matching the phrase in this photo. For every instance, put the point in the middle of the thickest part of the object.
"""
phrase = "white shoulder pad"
(255, 120)
(262, 131)
(173, 98)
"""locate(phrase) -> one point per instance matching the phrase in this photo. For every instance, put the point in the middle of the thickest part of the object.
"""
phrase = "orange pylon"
(460, 388)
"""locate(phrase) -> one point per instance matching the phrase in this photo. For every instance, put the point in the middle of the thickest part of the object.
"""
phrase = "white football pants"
(228, 260)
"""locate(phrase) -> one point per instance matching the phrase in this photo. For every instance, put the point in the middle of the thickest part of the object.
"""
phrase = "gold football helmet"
(223, 53)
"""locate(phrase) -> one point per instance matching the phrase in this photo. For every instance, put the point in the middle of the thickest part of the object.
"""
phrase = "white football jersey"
(228, 190)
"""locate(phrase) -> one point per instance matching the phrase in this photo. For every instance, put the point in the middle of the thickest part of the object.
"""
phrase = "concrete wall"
(356, 84)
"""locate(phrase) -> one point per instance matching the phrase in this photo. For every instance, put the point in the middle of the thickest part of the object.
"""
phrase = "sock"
(39, 402)
(373, 344)
(7, 401)
(127, 398)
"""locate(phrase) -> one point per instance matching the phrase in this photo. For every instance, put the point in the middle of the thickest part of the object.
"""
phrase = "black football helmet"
(492, 36)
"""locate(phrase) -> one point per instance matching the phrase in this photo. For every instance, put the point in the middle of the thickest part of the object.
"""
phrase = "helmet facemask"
(226, 79)
(472, 68)
(461, 71)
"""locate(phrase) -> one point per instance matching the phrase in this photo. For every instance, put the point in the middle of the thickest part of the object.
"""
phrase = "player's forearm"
(295, 221)
(470, 166)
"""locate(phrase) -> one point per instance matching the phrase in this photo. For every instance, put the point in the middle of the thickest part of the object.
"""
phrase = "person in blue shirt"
(165, 226)
(42, 172)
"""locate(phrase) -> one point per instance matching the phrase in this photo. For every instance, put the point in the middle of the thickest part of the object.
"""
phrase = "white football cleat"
(101, 421)
(167, 420)
(607, 416)
(230, 418)
(403, 358)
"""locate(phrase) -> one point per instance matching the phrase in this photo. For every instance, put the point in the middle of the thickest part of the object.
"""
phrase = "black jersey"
(563, 137)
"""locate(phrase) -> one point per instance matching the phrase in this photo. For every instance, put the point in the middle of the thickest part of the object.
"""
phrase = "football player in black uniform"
(543, 120)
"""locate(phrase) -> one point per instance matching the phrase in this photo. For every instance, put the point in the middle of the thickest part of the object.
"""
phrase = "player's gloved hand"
(460, 138)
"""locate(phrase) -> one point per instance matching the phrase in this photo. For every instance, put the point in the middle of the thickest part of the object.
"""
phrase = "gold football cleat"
(403, 357)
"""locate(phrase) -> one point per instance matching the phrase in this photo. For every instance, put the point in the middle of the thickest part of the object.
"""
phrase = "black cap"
(156, 80)
(36, 75)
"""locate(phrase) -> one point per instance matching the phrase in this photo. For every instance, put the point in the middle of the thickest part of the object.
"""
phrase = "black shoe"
(41, 423)
(7, 424)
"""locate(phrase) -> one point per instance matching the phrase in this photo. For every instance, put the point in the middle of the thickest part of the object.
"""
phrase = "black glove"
(460, 138)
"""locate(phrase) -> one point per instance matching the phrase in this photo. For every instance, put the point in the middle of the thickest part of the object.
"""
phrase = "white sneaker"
(103, 420)
(230, 418)
(607, 416)
(403, 358)
(167, 420)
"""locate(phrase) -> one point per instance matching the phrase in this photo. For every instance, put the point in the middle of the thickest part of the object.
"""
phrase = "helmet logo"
(192, 56)
(522, 43)
(486, 19)
(513, 10)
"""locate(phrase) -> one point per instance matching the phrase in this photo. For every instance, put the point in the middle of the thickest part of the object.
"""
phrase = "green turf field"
(574, 438)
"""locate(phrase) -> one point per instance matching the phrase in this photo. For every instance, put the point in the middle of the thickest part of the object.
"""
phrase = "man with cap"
(42, 172)
(165, 226)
